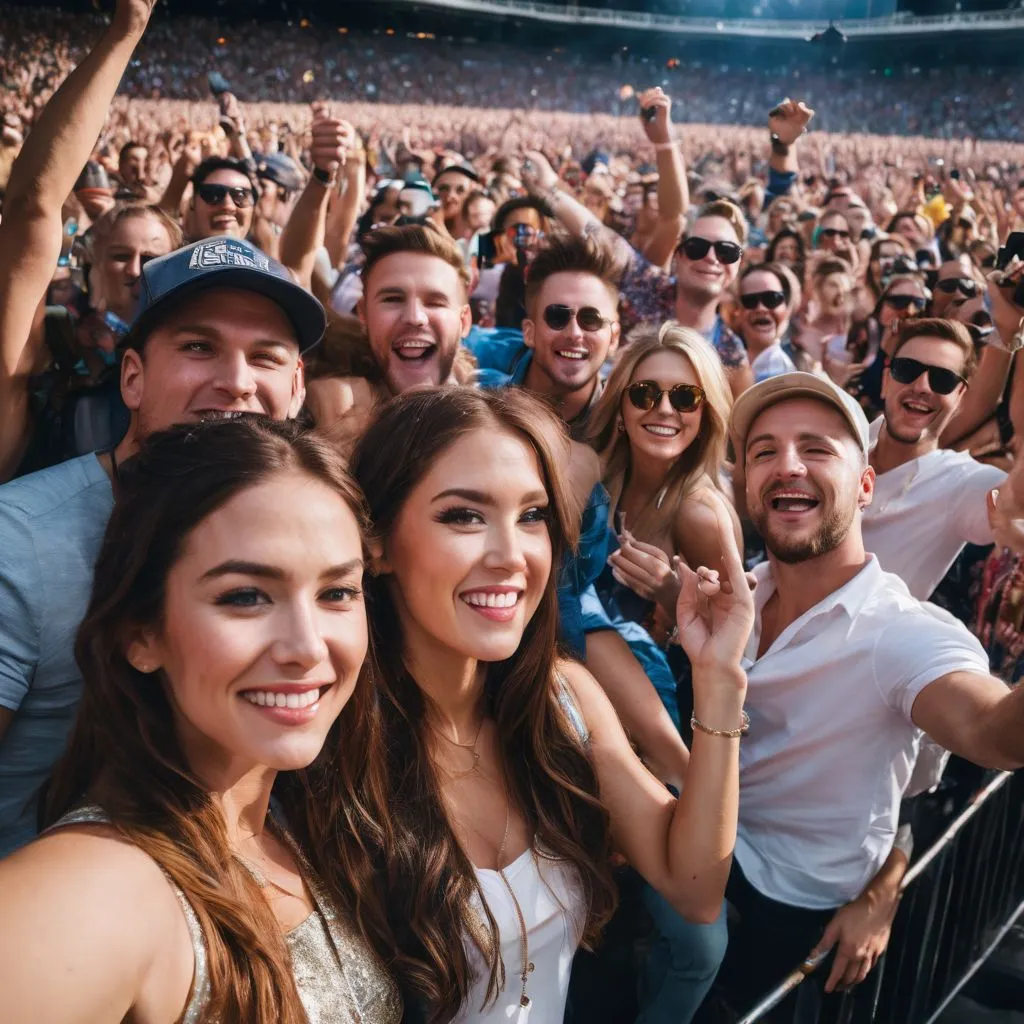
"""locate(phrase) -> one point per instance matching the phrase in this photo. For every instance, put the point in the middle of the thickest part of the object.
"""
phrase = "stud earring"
(620, 425)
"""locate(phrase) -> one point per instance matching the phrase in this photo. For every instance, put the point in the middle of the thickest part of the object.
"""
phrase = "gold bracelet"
(732, 734)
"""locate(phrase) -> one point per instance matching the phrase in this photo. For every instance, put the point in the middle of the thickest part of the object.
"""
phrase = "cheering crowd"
(461, 568)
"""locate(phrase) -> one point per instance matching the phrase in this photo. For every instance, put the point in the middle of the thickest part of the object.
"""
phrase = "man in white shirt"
(930, 501)
(846, 671)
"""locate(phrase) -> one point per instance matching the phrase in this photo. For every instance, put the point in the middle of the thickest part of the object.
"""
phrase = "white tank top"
(551, 899)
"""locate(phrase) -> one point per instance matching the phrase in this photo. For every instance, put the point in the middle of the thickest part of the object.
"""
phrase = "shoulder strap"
(199, 997)
(571, 708)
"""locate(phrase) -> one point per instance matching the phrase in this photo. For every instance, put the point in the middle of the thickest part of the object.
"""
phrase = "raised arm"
(540, 178)
(673, 191)
(786, 123)
(343, 214)
(306, 227)
(684, 848)
(41, 179)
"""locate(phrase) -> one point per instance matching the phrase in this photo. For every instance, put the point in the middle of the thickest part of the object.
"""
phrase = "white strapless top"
(551, 899)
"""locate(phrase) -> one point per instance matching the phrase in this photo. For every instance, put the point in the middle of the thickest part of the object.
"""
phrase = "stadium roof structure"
(887, 27)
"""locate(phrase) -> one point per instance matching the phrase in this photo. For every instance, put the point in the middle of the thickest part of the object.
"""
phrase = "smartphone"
(1014, 247)
(117, 326)
(486, 251)
(218, 84)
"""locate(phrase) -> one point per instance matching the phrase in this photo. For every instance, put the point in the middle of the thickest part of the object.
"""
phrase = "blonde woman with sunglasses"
(660, 430)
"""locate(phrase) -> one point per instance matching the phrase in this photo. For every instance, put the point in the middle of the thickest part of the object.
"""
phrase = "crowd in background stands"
(274, 62)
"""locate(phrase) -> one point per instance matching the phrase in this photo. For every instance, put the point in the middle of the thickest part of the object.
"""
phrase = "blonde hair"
(707, 452)
(728, 211)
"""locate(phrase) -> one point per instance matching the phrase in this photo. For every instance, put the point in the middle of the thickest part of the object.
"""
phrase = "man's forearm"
(305, 230)
(1001, 733)
(63, 138)
(783, 158)
(673, 190)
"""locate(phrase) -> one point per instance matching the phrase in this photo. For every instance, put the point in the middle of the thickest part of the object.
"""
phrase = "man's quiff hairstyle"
(416, 238)
(727, 211)
(571, 255)
(944, 330)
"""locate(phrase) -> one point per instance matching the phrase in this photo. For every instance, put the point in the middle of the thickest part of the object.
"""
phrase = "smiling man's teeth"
(491, 600)
(793, 502)
(660, 430)
(572, 353)
(264, 698)
(222, 414)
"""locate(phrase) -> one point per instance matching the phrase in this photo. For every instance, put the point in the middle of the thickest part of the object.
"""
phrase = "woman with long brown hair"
(223, 645)
(509, 775)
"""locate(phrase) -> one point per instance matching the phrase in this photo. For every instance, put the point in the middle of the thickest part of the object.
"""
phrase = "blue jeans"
(682, 965)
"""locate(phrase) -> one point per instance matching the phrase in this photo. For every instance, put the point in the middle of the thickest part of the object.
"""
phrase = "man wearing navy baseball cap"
(220, 331)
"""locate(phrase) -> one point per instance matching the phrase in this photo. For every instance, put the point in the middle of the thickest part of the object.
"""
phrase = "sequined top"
(339, 979)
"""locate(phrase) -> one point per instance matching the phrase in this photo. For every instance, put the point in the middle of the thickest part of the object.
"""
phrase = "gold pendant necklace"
(526, 968)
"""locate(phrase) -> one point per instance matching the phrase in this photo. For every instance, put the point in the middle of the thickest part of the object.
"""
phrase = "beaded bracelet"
(732, 734)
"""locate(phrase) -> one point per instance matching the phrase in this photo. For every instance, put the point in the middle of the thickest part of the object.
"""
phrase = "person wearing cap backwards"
(220, 332)
(847, 671)
(451, 186)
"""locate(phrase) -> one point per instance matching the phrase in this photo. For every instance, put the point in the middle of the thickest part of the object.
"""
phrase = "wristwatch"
(326, 178)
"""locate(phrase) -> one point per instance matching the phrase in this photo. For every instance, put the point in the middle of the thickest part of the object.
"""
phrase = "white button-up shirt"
(831, 743)
(923, 513)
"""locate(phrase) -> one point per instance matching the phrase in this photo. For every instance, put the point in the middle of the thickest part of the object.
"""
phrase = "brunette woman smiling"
(223, 644)
(509, 774)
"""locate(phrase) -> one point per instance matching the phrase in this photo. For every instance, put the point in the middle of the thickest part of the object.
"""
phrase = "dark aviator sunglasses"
(905, 301)
(962, 284)
(558, 317)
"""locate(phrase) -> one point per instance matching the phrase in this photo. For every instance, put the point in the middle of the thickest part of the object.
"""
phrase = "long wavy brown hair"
(425, 882)
(124, 753)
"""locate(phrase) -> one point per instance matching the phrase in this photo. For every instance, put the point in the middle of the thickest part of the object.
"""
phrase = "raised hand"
(714, 617)
(331, 140)
(133, 15)
(538, 175)
(657, 129)
(789, 120)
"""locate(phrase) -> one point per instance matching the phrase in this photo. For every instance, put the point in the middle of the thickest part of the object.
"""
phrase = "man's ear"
(616, 335)
(361, 310)
(528, 332)
(466, 318)
(132, 378)
(866, 493)
(298, 390)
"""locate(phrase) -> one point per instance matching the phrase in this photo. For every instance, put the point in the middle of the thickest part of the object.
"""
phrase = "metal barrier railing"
(960, 898)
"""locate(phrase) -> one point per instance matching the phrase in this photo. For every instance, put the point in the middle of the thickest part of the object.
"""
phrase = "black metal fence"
(960, 898)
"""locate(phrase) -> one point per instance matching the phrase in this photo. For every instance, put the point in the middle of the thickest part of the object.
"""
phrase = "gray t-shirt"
(51, 530)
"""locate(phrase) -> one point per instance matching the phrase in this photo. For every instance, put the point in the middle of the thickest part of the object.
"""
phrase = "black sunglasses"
(905, 301)
(770, 300)
(694, 248)
(834, 233)
(940, 380)
(558, 317)
(214, 195)
(962, 284)
(646, 394)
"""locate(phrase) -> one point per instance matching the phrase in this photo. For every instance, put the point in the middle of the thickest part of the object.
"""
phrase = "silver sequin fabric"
(339, 979)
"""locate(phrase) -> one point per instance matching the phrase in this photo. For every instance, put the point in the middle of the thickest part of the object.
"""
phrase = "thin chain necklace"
(526, 968)
(471, 747)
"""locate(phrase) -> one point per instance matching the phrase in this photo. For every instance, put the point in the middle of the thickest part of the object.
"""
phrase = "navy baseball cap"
(223, 262)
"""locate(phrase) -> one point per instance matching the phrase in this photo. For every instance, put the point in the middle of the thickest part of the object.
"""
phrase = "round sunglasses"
(962, 284)
(646, 394)
(769, 299)
(214, 195)
(940, 379)
(558, 317)
(694, 248)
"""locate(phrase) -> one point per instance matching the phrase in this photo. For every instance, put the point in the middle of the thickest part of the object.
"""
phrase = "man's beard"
(792, 550)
